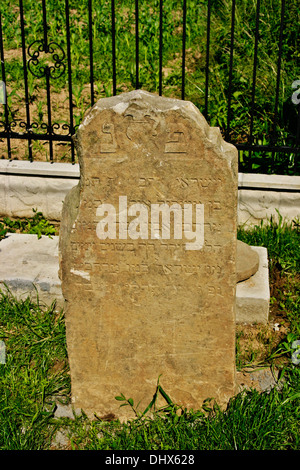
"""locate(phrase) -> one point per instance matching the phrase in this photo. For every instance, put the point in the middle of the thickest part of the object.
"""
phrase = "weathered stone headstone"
(148, 256)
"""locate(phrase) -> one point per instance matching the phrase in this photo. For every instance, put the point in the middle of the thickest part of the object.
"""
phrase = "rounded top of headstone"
(123, 103)
(137, 107)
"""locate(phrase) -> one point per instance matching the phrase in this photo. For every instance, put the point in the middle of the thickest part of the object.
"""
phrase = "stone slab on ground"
(253, 295)
(29, 265)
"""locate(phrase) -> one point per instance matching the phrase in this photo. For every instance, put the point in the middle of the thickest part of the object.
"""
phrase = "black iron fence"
(237, 61)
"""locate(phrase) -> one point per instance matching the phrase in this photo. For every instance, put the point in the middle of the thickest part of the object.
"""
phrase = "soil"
(258, 342)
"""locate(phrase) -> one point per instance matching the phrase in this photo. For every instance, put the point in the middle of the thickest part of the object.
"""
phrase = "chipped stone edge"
(213, 135)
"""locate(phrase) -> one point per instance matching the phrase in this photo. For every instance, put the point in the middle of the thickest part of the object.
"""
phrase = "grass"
(35, 378)
(265, 130)
(35, 369)
(37, 224)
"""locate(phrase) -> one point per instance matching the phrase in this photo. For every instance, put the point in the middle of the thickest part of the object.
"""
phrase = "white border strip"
(46, 169)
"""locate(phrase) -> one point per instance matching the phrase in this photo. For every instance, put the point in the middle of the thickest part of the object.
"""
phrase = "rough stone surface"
(247, 261)
(144, 308)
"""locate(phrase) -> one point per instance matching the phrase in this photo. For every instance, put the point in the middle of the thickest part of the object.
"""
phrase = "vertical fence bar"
(113, 40)
(279, 64)
(90, 8)
(71, 128)
(275, 118)
(255, 60)
(45, 27)
(183, 50)
(49, 113)
(230, 71)
(207, 59)
(160, 46)
(7, 125)
(25, 77)
(137, 44)
(47, 73)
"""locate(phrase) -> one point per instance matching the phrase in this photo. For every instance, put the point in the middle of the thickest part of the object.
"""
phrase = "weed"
(35, 225)
(169, 408)
(35, 344)
(265, 344)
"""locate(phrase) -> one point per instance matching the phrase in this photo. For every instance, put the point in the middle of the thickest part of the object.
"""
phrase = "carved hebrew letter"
(108, 141)
(176, 142)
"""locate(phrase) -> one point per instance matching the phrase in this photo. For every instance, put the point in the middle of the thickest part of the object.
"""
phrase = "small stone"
(61, 440)
(64, 411)
(247, 261)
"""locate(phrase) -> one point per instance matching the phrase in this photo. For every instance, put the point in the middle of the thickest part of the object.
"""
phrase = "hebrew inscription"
(177, 139)
(147, 256)
(108, 141)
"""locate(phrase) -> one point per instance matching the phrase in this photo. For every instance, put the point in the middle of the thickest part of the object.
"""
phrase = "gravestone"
(148, 256)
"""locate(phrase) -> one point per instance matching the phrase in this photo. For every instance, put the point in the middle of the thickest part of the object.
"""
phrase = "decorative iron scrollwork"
(64, 127)
(43, 128)
(53, 71)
